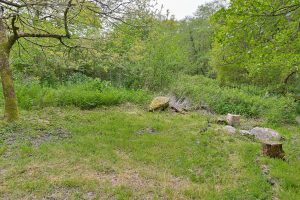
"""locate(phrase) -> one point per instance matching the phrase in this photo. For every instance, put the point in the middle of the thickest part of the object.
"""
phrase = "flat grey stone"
(265, 134)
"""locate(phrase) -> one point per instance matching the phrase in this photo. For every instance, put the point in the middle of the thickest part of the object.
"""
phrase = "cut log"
(273, 150)
(233, 120)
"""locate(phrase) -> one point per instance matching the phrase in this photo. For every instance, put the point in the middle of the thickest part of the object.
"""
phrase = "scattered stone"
(159, 103)
(179, 105)
(147, 130)
(177, 109)
(265, 134)
(274, 182)
(266, 172)
(230, 129)
(244, 132)
(233, 120)
(273, 150)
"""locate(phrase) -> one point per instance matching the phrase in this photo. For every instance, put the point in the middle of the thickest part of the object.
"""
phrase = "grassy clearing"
(108, 154)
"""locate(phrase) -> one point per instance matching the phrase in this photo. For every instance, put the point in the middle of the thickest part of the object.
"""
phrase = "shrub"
(246, 101)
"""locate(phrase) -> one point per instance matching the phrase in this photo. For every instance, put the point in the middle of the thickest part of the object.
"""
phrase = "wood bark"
(273, 150)
(11, 112)
(233, 120)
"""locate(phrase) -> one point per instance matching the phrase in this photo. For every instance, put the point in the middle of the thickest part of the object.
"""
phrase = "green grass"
(248, 101)
(298, 107)
(89, 94)
(75, 154)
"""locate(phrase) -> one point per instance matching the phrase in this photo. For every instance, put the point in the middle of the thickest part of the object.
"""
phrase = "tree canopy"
(257, 41)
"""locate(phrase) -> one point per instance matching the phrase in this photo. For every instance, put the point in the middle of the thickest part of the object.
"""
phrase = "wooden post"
(273, 149)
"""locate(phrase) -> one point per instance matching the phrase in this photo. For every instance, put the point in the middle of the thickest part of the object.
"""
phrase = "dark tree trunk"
(11, 112)
(273, 150)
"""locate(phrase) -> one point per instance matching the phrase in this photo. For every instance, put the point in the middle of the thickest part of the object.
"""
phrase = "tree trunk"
(11, 112)
(233, 120)
(273, 150)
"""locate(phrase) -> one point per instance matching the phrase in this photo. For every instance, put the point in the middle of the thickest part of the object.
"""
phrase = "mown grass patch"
(101, 154)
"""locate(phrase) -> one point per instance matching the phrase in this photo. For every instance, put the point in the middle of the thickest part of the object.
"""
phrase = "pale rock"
(265, 134)
(233, 120)
(230, 129)
(159, 103)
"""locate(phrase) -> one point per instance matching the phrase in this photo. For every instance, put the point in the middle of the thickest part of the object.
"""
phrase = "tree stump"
(273, 149)
(233, 120)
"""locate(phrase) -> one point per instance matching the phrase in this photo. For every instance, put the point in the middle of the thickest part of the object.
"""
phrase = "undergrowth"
(247, 101)
(91, 93)
(88, 94)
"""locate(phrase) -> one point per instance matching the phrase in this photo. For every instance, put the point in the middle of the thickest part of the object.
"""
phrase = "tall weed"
(246, 101)
(86, 95)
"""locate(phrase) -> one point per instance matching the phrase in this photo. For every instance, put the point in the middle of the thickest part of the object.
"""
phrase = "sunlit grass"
(75, 154)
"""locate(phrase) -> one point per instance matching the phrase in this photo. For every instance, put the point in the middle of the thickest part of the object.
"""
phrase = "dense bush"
(85, 94)
(247, 101)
